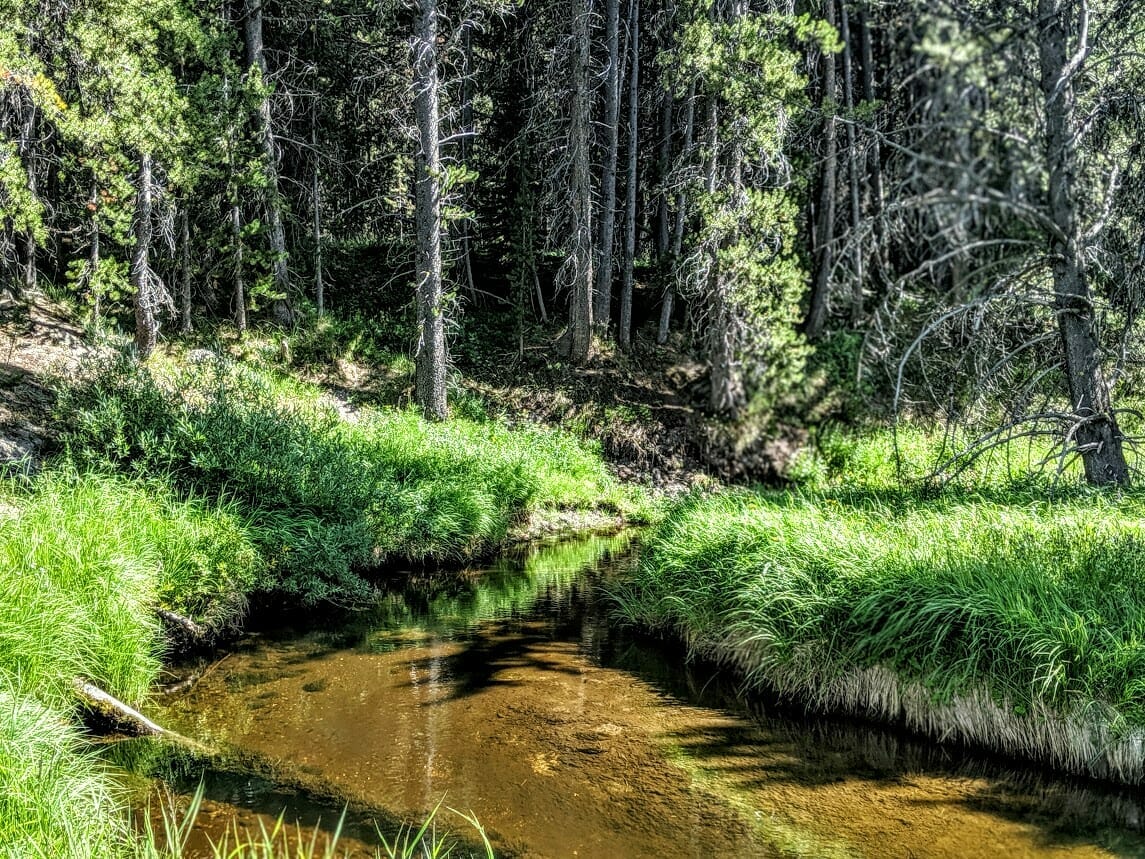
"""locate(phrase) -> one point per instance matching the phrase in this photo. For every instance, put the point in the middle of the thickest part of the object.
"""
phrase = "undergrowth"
(322, 496)
(1037, 601)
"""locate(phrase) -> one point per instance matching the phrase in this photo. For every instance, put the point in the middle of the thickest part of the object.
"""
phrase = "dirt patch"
(37, 343)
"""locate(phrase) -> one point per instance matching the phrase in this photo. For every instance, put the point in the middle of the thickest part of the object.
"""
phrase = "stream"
(507, 692)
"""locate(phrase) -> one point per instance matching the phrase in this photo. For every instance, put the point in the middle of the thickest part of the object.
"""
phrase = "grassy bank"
(999, 618)
(325, 496)
(194, 488)
(84, 563)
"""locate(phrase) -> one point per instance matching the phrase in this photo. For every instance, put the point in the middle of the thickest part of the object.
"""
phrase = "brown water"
(508, 694)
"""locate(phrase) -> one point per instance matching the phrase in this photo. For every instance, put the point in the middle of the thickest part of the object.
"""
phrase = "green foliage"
(911, 457)
(54, 799)
(85, 560)
(324, 497)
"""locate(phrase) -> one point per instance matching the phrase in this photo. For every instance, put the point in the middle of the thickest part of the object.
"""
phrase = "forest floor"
(645, 407)
(38, 341)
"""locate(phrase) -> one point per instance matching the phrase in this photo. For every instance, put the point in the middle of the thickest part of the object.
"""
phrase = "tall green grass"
(1032, 607)
(912, 456)
(54, 800)
(325, 497)
(85, 561)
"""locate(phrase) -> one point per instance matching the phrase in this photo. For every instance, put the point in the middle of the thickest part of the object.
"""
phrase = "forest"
(826, 308)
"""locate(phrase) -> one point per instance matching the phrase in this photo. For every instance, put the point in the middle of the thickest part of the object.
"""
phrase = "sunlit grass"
(431, 838)
(1039, 605)
(54, 799)
(325, 497)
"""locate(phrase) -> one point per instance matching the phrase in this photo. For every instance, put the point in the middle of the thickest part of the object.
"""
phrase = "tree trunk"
(1095, 431)
(143, 279)
(240, 283)
(854, 160)
(681, 214)
(663, 225)
(430, 359)
(93, 257)
(825, 222)
(875, 162)
(185, 270)
(256, 59)
(26, 150)
(624, 335)
(316, 196)
(602, 300)
(580, 132)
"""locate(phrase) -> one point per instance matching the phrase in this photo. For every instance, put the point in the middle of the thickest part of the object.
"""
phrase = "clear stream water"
(507, 692)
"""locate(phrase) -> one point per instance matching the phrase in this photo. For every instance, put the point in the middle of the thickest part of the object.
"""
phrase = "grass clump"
(1037, 607)
(85, 561)
(325, 497)
(54, 799)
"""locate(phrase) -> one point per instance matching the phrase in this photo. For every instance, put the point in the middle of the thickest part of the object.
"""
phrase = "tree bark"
(663, 224)
(624, 335)
(825, 222)
(26, 149)
(93, 257)
(256, 59)
(854, 161)
(681, 214)
(580, 302)
(875, 162)
(431, 355)
(185, 270)
(1095, 430)
(316, 196)
(240, 283)
(143, 279)
(602, 299)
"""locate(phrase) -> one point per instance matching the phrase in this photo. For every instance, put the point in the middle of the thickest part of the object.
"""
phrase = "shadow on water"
(508, 691)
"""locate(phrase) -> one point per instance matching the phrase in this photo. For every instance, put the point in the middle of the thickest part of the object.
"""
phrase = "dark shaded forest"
(934, 209)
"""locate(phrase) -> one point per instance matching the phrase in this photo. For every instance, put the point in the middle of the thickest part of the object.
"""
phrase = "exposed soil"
(648, 409)
(37, 342)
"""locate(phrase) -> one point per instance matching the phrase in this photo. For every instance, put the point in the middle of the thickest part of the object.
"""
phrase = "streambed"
(506, 692)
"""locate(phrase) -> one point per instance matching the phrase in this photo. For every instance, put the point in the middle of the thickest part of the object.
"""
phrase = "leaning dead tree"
(1033, 321)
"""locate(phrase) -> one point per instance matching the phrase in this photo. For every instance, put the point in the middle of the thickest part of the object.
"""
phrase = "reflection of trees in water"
(512, 586)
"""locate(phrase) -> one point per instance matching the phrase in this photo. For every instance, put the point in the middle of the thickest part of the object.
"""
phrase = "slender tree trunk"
(664, 166)
(143, 279)
(580, 133)
(256, 59)
(93, 256)
(624, 335)
(240, 283)
(875, 161)
(26, 149)
(602, 300)
(1095, 431)
(185, 270)
(431, 355)
(681, 214)
(316, 194)
(466, 148)
(854, 161)
(825, 222)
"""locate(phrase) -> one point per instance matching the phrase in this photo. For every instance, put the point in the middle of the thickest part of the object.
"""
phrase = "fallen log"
(114, 715)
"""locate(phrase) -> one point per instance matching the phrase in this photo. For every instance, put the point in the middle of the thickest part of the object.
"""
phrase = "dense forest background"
(932, 209)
